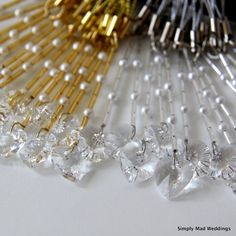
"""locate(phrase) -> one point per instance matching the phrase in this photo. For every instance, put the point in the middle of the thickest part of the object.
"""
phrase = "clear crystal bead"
(32, 152)
(137, 162)
(6, 143)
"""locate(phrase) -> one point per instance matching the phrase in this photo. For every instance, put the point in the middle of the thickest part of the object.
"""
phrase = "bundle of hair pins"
(147, 84)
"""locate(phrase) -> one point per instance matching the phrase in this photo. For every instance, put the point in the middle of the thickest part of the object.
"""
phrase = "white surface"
(33, 204)
(42, 205)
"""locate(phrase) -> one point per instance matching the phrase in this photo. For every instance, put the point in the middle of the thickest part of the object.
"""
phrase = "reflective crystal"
(32, 152)
(137, 162)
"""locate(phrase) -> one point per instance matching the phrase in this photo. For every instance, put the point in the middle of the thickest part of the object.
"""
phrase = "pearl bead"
(88, 112)
(3, 50)
(6, 72)
(123, 63)
(147, 78)
(171, 119)
(180, 75)
(157, 59)
(53, 72)
(202, 68)
(65, 67)
(111, 96)
(222, 127)
(18, 12)
(134, 96)
(83, 86)
(102, 56)
(35, 30)
(144, 110)
(99, 78)
(137, 63)
(57, 23)
(36, 49)
(13, 33)
(75, 45)
(27, 19)
(69, 77)
(158, 92)
(43, 97)
(191, 76)
(56, 42)
(28, 46)
(88, 48)
(26, 66)
(219, 100)
(63, 101)
(48, 64)
(206, 93)
(183, 109)
(203, 110)
(82, 70)
(222, 77)
(167, 86)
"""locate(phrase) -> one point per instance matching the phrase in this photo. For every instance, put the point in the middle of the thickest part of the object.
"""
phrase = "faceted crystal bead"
(173, 180)
(137, 162)
(223, 166)
(32, 152)
(6, 143)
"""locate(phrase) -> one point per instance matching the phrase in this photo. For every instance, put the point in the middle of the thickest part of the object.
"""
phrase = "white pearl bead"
(83, 86)
(48, 64)
(99, 78)
(65, 67)
(57, 23)
(53, 72)
(3, 50)
(219, 100)
(102, 56)
(222, 127)
(144, 110)
(28, 46)
(35, 30)
(191, 76)
(56, 42)
(180, 75)
(18, 12)
(88, 48)
(158, 92)
(222, 77)
(137, 63)
(147, 78)
(88, 112)
(6, 72)
(75, 45)
(69, 77)
(26, 66)
(63, 100)
(13, 33)
(82, 70)
(202, 68)
(27, 19)
(183, 109)
(171, 119)
(36, 49)
(111, 96)
(167, 86)
(43, 97)
(123, 63)
(206, 93)
(157, 59)
(134, 96)
(203, 110)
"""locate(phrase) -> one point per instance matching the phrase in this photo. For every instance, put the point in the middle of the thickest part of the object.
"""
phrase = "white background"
(47, 205)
